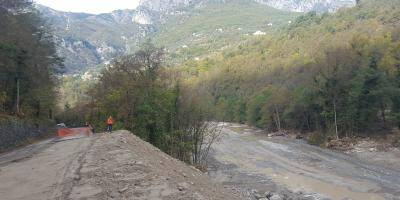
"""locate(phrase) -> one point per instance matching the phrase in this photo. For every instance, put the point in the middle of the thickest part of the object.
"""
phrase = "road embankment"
(104, 166)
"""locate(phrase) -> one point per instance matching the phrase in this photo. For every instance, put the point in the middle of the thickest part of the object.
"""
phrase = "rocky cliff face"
(87, 40)
(290, 5)
(153, 11)
(308, 5)
(164, 5)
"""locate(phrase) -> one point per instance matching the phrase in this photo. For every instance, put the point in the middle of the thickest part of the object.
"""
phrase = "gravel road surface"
(116, 166)
(246, 160)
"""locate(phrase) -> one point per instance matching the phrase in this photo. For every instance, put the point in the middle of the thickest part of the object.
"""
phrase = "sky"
(89, 6)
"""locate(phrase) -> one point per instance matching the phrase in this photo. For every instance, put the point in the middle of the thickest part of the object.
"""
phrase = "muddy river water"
(246, 159)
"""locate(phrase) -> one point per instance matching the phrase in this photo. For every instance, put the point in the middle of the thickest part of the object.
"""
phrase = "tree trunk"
(277, 119)
(336, 126)
(17, 99)
(38, 109)
(383, 114)
(308, 122)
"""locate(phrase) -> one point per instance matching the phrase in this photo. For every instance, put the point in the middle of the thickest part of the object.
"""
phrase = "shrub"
(396, 138)
(317, 138)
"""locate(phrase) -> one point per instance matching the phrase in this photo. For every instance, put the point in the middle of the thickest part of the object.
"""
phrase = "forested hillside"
(202, 31)
(88, 41)
(336, 74)
(188, 29)
(28, 62)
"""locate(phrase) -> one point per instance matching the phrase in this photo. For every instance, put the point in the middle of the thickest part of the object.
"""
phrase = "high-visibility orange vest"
(109, 121)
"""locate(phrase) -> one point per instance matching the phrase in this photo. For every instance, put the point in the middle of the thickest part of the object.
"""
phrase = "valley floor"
(250, 163)
(247, 163)
(104, 166)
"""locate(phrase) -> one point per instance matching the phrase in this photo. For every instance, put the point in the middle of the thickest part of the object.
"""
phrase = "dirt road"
(117, 166)
(248, 161)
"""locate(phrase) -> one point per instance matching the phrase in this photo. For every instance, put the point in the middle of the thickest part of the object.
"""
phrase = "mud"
(252, 163)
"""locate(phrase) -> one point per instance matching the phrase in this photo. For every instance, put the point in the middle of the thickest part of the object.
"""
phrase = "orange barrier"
(64, 132)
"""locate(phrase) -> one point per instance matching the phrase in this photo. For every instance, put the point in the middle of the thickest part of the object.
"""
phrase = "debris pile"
(343, 144)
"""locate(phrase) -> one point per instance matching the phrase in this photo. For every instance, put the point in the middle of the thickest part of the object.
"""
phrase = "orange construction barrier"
(66, 132)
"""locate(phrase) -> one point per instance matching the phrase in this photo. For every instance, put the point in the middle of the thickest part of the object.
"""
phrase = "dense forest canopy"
(28, 61)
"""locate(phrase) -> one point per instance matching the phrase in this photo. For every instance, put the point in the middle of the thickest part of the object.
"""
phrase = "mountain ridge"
(288, 5)
(88, 40)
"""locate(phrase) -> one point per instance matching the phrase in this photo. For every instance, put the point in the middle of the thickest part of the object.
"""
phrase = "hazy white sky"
(89, 6)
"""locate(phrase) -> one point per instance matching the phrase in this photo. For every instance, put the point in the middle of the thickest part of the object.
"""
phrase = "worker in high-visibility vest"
(109, 124)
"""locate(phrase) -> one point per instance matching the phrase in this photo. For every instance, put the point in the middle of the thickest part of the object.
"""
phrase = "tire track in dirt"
(72, 174)
(293, 169)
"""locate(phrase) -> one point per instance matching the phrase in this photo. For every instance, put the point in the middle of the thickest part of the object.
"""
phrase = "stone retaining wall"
(15, 132)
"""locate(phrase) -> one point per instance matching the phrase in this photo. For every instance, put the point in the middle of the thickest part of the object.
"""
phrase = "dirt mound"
(121, 166)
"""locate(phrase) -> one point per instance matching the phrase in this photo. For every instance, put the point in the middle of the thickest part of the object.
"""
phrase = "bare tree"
(206, 135)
